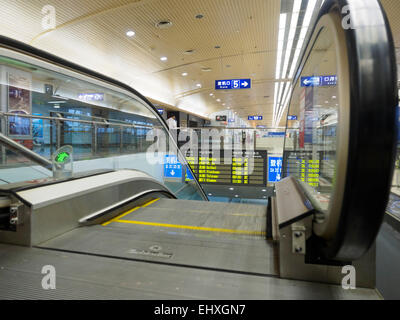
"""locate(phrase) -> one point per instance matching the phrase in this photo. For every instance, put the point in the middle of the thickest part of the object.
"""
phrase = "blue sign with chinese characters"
(276, 134)
(292, 118)
(274, 169)
(257, 118)
(172, 167)
(232, 84)
(189, 176)
(319, 81)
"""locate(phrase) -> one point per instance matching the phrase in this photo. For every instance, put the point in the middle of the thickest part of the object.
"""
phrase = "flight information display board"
(242, 168)
(303, 167)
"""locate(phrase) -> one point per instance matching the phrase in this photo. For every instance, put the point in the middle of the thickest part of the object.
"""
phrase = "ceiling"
(232, 39)
(93, 33)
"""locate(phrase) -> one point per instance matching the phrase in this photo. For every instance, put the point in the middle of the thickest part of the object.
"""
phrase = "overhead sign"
(319, 81)
(231, 120)
(257, 118)
(292, 118)
(232, 84)
(160, 111)
(274, 169)
(91, 96)
(172, 167)
(220, 118)
(276, 134)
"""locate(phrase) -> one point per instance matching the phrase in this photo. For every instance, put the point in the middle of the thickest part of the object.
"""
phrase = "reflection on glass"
(108, 128)
(310, 149)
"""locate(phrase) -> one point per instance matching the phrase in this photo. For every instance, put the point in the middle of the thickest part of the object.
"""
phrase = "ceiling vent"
(189, 52)
(164, 24)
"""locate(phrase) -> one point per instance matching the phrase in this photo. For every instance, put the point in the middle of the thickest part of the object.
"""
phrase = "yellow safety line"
(261, 233)
(150, 202)
(128, 212)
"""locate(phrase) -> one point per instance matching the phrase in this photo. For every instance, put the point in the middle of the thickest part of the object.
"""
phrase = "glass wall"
(107, 127)
(310, 151)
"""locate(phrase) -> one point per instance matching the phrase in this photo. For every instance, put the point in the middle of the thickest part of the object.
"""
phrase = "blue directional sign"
(276, 134)
(319, 81)
(257, 118)
(189, 176)
(232, 84)
(274, 169)
(292, 118)
(172, 167)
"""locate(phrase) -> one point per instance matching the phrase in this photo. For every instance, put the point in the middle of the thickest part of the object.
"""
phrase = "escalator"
(125, 232)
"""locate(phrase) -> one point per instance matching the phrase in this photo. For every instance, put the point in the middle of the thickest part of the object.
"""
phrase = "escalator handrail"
(366, 189)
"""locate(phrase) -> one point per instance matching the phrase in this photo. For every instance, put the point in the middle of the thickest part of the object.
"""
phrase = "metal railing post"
(121, 140)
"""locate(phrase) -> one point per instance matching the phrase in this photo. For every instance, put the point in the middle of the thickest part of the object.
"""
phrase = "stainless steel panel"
(90, 277)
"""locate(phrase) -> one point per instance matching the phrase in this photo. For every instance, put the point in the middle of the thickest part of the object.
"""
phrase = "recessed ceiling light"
(130, 33)
(210, 194)
(163, 58)
(198, 85)
(218, 100)
(211, 94)
(264, 190)
(333, 97)
(236, 196)
(224, 104)
(184, 74)
(231, 189)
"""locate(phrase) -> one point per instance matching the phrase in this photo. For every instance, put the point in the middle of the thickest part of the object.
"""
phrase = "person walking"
(172, 123)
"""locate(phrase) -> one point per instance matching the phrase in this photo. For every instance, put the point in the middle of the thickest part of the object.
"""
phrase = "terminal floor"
(165, 249)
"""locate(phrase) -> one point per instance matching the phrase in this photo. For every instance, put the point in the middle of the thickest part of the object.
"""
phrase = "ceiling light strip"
(284, 99)
(292, 33)
(304, 28)
(303, 33)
